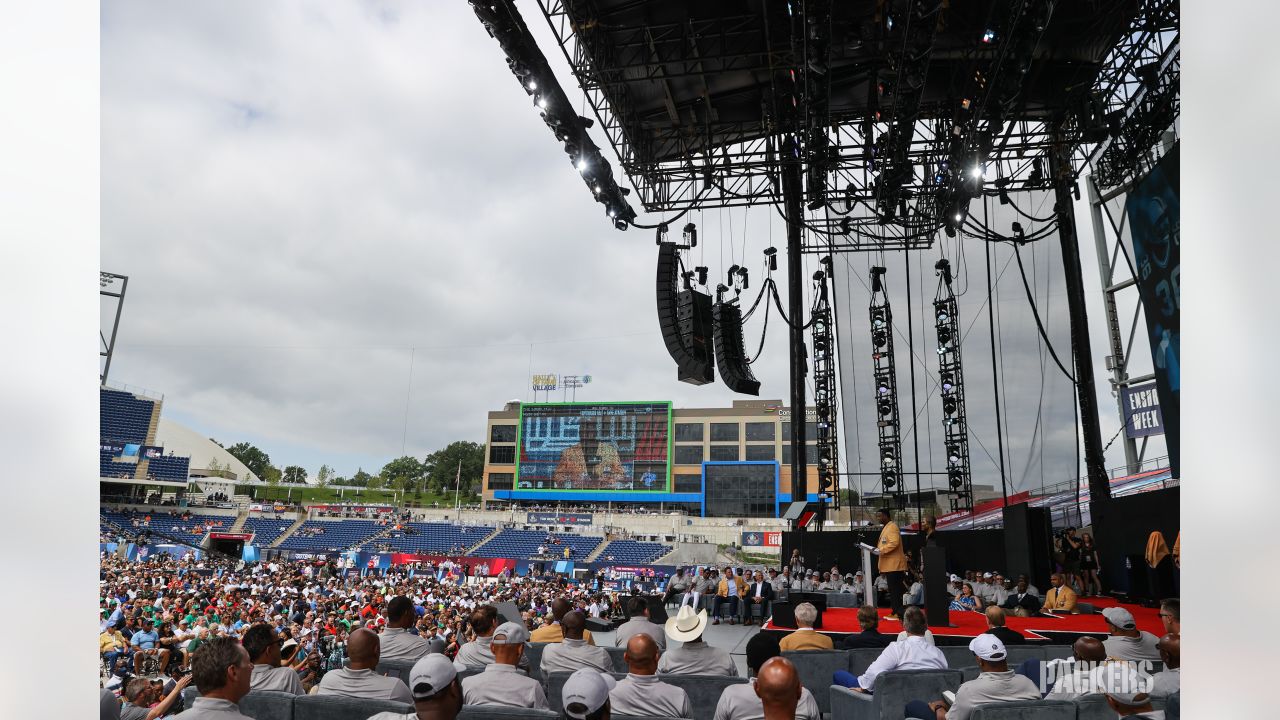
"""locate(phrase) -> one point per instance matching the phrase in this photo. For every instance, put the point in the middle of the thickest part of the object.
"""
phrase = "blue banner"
(1141, 411)
(1155, 222)
(550, 518)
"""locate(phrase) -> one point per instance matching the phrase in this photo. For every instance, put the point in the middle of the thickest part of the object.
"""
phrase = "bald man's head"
(559, 607)
(778, 687)
(642, 655)
(573, 623)
(995, 616)
(1089, 649)
(363, 648)
(1170, 654)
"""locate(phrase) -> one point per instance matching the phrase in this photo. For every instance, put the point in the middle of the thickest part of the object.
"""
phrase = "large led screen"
(594, 446)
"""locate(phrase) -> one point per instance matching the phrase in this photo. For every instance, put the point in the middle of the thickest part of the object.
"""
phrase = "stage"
(1061, 630)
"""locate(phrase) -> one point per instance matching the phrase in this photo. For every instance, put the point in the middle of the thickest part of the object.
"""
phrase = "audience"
(694, 656)
(778, 687)
(146, 700)
(1169, 616)
(1126, 691)
(913, 653)
(1072, 677)
(572, 652)
(995, 683)
(502, 683)
(729, 592)
(358, 679)
(478, 652)
(641, 692)
(805, 637)
(760, 595)
(553, 633)
(586, 695)
(1168, 681)
(1024, 600)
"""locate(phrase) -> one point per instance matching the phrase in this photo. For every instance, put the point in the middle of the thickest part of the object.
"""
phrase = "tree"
(441, 467)
(324, 476)
(256, 460)
(403, 473)
(295, 475)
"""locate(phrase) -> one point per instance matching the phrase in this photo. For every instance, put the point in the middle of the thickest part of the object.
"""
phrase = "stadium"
(957, 497)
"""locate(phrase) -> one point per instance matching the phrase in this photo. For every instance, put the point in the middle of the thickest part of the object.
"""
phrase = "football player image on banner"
(594, 446)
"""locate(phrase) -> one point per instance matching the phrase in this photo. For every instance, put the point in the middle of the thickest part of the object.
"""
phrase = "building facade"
(723, 462)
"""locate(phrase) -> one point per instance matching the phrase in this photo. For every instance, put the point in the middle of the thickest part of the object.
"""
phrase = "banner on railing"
(352, 508)
(761, 539)
(550, 518)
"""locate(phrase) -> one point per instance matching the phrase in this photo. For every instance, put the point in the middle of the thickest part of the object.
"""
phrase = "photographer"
(1071, 546)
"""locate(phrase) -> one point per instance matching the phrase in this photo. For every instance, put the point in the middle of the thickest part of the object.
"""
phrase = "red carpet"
(970, 624)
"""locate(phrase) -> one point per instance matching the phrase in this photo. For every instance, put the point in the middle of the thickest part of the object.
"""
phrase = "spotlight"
(582, 165)
(942, 314)
(949, 406)
(878, 318)
(955, 477)
(533, 84)
(882, 386)
(596, 189)
(976, 171)
(887, 458)
(959, 217)
(889, 479)
(953, 454)
(948, 382)
(879, 337)
(542, 103)
(884, 406)
(989, 37)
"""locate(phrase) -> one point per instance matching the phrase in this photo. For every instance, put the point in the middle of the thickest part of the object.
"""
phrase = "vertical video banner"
(1154, 220)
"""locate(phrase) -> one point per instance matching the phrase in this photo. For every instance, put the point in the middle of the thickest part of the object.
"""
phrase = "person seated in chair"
(913, 653)
(639, 624)
(437, 693)
(1023, 600)
(1126, 691)
(740, 702)
(573, 652)
(396, 642)
(501, 683)
(359, 679)
(805, 637)
(870, 637)
(1127, 642)
(1169, 680)
(145, 643)
(263, 646)
(641, 692)
(995, 683)
(694, 656)
(1061, 598)
(759, 598)
(113, 647)
(996, 626)
(729, 592)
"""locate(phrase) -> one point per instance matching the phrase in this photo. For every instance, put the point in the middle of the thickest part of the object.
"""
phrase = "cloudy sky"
(348, 235)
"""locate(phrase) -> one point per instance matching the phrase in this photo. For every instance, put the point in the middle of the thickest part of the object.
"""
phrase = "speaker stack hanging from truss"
(955, 424)
(886, 379)
(824, 394)
(684, 313)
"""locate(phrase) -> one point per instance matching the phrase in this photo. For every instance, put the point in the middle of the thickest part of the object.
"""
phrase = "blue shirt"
(145, 640)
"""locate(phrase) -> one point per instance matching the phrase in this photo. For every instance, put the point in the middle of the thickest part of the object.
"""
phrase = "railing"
(136, 390)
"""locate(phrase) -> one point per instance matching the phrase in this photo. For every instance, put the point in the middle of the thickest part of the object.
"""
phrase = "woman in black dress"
(1089, 565)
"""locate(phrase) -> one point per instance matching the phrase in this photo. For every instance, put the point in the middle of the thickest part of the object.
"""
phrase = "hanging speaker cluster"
(731, 356)
(685, 317)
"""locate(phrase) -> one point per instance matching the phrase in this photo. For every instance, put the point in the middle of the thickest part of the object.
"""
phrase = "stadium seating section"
(169, 468)
(266, 530)
(630, 552)
(524, 544)
(124, 416)
(436, 538)
(337, 535)
(164, 523)
(109, 469)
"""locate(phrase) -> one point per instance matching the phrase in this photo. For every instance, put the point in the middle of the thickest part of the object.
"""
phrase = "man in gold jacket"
(730, 592)
(892, 562)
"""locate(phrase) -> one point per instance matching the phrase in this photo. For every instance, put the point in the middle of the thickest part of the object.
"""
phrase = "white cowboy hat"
(686, 625)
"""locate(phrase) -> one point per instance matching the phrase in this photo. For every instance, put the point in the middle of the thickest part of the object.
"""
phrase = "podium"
(868, 585)
(937, 600)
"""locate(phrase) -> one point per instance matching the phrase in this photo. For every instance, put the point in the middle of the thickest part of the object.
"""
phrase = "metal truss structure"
(825, 397)
(955, 420)
(888, 426)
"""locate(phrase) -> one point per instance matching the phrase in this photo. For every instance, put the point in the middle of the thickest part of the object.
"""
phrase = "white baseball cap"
(585, 692)
(988, 647)
(1119, 617)
(510, 633)
(431, 675)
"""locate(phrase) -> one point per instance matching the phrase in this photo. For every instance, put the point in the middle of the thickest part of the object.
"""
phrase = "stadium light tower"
(107, 344)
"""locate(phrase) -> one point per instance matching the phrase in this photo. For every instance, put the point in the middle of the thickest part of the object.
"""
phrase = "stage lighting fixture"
(949, 405)
(989, 37)
(958, 218)
(947, 381)
(542, 103)
(888, 458)
(582, 165)
(890, 479)
(701, 270)
(950, 231)
(953, 454)
(976, 171)
(883, 387)
(955, 478)
(884, 406)
(533, 85)
(771, 254)
(890, 442)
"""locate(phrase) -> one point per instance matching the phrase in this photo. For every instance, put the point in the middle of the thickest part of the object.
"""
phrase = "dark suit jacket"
(867, 639)
(1007, 636)
(766, 591)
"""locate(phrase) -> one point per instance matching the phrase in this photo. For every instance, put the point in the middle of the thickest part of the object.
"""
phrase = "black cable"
(1035, 312)
(778, 301)
(764, 331)
(747, 315)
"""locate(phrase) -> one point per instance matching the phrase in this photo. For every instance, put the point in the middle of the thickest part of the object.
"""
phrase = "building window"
(811, 455)
(688, 455)
(501, 481)
(761, 452)
(502, 434)
(688, 432)
(760, 431)
(502, 455)
(724, 432)
(741, 491)
(724, 453)
(810, 431)
(688, 483)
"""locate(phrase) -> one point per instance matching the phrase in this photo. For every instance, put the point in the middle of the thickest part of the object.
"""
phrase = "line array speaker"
(731, 356)
(686, 321)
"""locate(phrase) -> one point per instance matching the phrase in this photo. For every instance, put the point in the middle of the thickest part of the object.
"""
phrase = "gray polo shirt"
(648, 695)
(205, 708)
(477, 652)
(571, 655)
(740, 702)
(697, 658)
(1119, 647)
(400, 644)
(364, 684)
(504, 685)
(640, 626)
(1166, 682)
(991, 687)
(281, 679)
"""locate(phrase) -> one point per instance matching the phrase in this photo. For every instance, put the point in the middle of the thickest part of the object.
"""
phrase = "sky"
(349, 236)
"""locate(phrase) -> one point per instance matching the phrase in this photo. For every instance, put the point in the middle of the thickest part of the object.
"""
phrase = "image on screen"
(594, 446)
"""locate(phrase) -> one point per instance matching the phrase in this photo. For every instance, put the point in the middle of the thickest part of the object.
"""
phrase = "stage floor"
(1057, 630)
